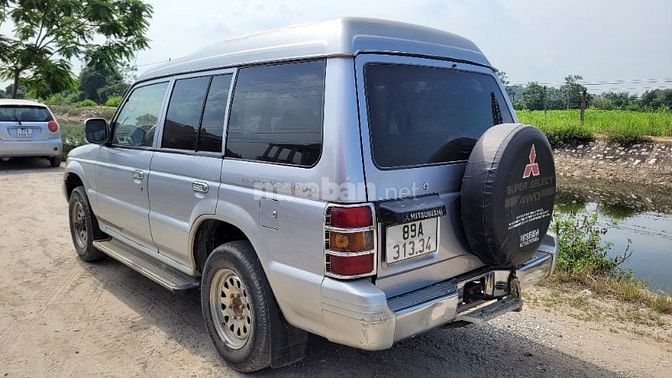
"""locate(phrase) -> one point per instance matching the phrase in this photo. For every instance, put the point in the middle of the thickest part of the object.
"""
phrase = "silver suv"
(29, 129)
(340, 178)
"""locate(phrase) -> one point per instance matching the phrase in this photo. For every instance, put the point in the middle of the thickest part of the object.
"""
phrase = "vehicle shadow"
(479, 350)
(25, 165)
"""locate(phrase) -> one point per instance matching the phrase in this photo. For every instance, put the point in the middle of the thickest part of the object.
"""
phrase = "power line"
(643, 83)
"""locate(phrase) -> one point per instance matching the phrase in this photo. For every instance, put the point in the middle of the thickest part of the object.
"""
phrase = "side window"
(212, 125)
(184, 113)
(136, 122)
(277, 113)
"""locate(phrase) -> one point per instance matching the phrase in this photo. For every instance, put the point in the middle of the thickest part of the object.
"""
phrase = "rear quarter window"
(425, 115)
(277, 114)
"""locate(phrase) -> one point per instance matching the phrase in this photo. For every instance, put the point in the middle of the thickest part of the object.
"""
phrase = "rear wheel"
(238, 306)
(82, 226)
(55, 161)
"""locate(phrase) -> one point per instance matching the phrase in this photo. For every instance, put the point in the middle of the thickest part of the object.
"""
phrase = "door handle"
(137, 174)
(199, 187)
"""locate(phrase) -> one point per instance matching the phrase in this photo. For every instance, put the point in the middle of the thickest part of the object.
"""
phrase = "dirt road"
(62, 317)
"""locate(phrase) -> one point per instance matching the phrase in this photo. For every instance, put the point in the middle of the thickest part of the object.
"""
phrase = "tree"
(533, 96)
(99, 83)
(616, 100)
(571, 91)
(49, 33)
(503, 78)
(657, 99)
(20, 91)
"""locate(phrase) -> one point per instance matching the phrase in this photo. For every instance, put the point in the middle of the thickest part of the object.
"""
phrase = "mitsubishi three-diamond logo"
(532, 169)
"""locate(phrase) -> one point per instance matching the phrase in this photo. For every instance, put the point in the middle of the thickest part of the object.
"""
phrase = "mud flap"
(288, 344)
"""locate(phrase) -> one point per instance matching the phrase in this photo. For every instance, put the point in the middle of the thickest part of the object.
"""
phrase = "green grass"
(72, 134)
(622, 126)
(583, 260)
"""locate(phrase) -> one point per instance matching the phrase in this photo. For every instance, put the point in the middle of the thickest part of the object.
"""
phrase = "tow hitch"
(489, 296)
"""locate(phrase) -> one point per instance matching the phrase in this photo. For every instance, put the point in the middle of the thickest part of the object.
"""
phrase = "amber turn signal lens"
(351, 242)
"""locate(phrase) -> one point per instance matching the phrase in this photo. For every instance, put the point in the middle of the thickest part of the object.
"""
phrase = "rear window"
(277, 114)
(24, 113)
(424, 115)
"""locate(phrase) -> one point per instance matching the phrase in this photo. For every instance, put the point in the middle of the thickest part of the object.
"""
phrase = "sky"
(530, 40)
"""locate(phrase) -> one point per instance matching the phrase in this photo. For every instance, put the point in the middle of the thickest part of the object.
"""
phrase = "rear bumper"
(357, 313)
(49, 147)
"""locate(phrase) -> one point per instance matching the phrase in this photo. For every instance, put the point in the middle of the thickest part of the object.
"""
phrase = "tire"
(82, 226)
(244, 343)
(55, 161)
(508, 192)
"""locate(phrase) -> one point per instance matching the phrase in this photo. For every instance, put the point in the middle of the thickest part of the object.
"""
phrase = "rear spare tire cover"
(508, 190)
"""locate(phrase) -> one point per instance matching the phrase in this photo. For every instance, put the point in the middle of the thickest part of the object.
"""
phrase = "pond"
(635, 221)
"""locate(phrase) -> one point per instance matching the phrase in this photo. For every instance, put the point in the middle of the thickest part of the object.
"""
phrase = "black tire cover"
(508, 190)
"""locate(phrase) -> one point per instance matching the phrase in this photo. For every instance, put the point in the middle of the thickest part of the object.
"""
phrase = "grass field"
(563, 126)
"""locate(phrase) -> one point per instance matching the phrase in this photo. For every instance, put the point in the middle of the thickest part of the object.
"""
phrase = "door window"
(184, 113)
(195, 117)
(136, 122)
(212, 125)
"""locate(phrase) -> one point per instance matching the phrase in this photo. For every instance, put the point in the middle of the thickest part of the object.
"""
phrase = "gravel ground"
(62, 317)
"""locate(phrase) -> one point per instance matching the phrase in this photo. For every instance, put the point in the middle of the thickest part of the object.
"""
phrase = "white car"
(29, 128)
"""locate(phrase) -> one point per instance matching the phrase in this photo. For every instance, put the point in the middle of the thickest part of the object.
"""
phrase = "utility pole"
(545, 103)
(584, 99)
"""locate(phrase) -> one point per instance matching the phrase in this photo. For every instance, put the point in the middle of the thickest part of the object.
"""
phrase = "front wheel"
(82, 226)
(238, 306)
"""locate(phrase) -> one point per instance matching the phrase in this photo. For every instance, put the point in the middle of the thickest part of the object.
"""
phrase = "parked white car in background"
(29, 129)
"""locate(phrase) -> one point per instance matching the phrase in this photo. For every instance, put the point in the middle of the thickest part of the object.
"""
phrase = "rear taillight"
(350, 245)
(53, 126)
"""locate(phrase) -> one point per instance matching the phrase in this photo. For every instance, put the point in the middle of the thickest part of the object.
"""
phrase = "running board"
(164, 275)
(491, 310)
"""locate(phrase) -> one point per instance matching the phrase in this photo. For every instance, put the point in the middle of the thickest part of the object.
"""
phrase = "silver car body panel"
(277, 206)
(338, 37)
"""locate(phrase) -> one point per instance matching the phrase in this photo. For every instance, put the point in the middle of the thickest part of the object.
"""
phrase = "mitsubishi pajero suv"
(357, 179)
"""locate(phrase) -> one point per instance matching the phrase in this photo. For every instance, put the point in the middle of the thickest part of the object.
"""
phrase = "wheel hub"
(79, 224)
(231, 308)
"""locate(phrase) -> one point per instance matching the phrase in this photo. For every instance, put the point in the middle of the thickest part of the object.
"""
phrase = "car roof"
(19, 102)
(337, 37)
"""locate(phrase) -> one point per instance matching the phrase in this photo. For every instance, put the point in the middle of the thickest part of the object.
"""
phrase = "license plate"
(24, 133)
(409, 240)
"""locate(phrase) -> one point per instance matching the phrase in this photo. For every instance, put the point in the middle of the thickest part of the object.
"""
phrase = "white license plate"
(409, 240)
(24, 133)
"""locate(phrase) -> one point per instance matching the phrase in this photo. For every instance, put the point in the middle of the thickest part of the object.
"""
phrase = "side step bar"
(164, 275)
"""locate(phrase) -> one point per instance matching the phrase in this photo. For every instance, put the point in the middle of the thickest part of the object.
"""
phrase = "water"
(633, 220)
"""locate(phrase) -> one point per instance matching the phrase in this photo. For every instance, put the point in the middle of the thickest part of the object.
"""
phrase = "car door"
(185, 170)
(123, 169)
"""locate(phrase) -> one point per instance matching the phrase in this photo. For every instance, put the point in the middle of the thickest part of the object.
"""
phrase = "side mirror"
(95, 130)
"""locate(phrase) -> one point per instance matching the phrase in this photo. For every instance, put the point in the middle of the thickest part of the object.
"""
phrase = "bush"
(113, 101)
(569, 135)
(627, 137)
(581, 250)
(86, 103)
(63, 98)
